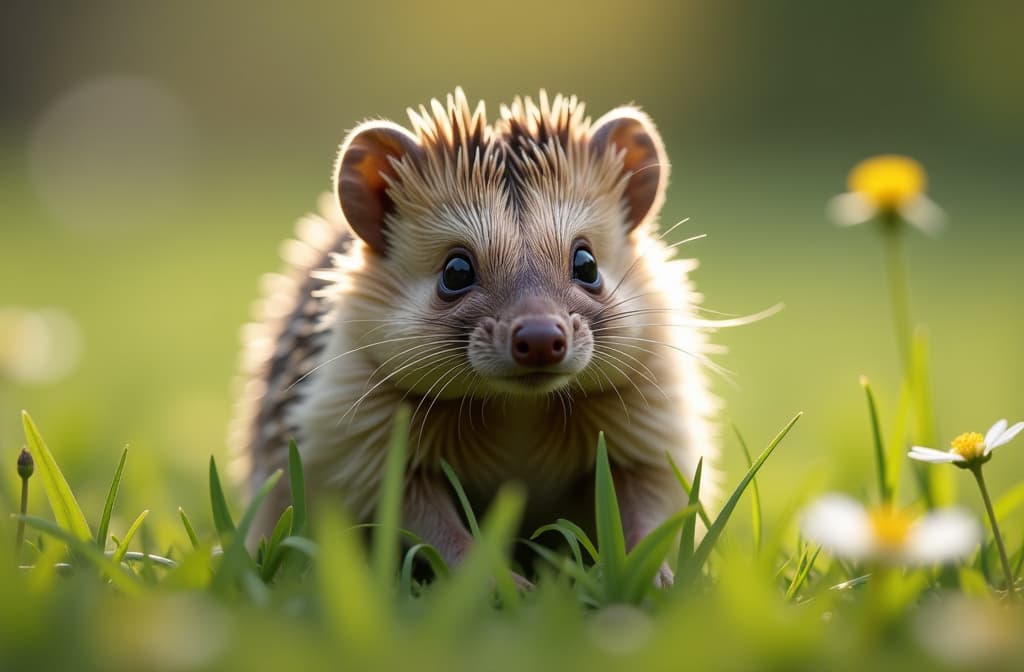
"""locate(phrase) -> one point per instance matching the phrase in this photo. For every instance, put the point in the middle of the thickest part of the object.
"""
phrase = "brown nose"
(538, 342)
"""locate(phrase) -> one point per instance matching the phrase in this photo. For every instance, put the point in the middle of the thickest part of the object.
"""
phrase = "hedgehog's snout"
(538, 341)
(532, 346)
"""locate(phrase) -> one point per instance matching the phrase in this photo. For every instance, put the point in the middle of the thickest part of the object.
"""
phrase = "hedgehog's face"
(501, 274)
(527, 323)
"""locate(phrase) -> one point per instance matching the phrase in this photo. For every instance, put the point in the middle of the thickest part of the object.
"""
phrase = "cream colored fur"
(642, 379)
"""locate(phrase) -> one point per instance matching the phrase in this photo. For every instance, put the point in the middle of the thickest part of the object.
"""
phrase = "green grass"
(307, 600)
(113, 588)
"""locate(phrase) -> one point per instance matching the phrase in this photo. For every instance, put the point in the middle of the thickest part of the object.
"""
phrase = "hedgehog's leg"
(643, 506)
(429, 512)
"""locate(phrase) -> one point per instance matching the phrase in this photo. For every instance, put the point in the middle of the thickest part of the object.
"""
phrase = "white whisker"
(647, 372)
(455, 352)
(353, 350)
(455, 373)
(606, 359)
(720, 370)
(663, 234)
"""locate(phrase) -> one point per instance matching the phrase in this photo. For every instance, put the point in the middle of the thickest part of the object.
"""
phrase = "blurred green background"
(152, 156)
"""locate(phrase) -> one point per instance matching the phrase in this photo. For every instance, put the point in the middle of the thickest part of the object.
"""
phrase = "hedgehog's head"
(498, 259)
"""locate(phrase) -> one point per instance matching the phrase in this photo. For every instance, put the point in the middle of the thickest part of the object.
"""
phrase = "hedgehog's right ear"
(365, 166)
(629, 131)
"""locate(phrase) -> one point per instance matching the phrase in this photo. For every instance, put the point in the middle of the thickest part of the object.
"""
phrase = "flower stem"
(976, 470)
(899, 295)
(24, 511)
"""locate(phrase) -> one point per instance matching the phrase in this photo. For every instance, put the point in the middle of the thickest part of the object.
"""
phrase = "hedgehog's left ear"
(644, 163)
(365, 167)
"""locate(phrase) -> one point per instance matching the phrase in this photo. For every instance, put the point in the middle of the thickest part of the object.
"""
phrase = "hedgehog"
(508, 283)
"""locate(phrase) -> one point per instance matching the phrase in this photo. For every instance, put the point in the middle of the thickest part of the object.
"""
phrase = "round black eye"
(584, 268)
(457, 277)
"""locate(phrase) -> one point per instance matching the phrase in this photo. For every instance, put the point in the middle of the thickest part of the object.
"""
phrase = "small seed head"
(26, 465)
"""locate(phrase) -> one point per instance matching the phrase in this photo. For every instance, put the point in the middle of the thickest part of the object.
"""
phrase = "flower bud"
(26, 465)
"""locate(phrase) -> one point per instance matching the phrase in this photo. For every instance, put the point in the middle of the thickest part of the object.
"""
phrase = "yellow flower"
(886, 534)
(887, 186)
(970, 448)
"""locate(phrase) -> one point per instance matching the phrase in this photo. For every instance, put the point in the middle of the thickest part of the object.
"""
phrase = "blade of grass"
(981, 561)
(973, 584)
(644, 561)
(194, 571)
(222, 520)
(275, 553)
(567, 566)
(755, 494)
(570, 539)
(700, 556)
(1009, 502)
(941, 482)
(804, 569)
(799, 490)
(282, 529)
(62, 500)
(474, 527)
(357, 617)
(297, 481)
(255, 591)
(86, 549)
(583, 537)
(884, 489)
(108, 507)
(899, 445)
(782, 569)
(430, 555)
(688, 488)
(689, 533)
(920, 358)
(158, 560)
(235, 559)
(306, 546)
(611, 541)
(851, 583)
(189, 530)
(122, 547)
(384, 555)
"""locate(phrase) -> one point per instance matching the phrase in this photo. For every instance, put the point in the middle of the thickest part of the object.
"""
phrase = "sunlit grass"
(99, 585)
(372, 609)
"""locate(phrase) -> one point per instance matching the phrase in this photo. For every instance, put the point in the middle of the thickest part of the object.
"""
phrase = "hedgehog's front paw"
(523, 584)
(664, 579)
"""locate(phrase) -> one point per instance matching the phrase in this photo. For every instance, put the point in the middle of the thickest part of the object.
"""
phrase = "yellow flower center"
(891, 526)
(888, 182)
(969, 446)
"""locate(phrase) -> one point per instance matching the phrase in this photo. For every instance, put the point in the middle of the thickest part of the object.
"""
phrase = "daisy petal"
(934, 456)
(840, 524)
(993, 435)
(942, 536)
(1005, 437)
(850, 209)
(923, 213)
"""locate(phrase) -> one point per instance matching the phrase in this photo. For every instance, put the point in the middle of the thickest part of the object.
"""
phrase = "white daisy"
(887, 185)
(970, 448)
(849, 530)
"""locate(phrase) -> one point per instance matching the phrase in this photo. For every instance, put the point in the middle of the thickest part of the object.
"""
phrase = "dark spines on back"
(285, 342)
